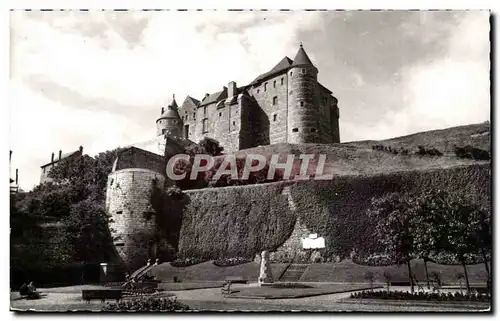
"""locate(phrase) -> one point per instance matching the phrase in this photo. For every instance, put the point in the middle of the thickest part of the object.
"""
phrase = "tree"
(392, 218)
(87, 231)
(207, 146)
(459, 228)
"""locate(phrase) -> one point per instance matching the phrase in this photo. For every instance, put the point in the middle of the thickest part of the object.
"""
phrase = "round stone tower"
(133, 221)
(170, 122)
(303, 115)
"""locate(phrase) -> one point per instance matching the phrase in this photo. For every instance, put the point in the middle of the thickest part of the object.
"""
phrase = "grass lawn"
(289, 293)
(189, 285)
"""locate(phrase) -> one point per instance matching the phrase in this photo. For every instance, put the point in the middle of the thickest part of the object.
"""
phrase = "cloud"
(98, 79)
(449, 91)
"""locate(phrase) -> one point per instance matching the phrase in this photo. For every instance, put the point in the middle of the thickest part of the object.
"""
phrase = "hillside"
(477, 135)
(358, 158)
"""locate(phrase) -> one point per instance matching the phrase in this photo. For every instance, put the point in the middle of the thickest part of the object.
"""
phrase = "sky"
(99, 79)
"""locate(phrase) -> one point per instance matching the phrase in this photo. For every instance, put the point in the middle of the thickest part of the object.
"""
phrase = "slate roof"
(63, 156)
(301, 58)
(213, 98)
(280, 67)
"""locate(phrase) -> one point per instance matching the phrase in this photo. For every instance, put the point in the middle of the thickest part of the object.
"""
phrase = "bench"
(236, 279)
(102, 294)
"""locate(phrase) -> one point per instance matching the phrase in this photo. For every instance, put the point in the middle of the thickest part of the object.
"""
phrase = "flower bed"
(233, 261)
(186, 262)
(419, 296)
(147, 304)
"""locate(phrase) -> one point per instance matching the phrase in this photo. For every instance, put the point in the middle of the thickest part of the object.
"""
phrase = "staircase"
(139, 273)
(293, 273)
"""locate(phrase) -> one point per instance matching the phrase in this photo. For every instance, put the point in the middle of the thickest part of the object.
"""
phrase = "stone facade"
(284, 105)
(128, 201)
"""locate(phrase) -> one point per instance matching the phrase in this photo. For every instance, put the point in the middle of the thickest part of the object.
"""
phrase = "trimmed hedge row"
(242, 221)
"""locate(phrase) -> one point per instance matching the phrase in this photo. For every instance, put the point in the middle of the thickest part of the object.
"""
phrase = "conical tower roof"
(301, 58)
(171, 111)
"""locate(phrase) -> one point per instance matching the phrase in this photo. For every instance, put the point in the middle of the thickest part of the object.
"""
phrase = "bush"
(147, 304)
(422, 151)
(471, 152)
(231, 261)
(186, 262)
(420, 296)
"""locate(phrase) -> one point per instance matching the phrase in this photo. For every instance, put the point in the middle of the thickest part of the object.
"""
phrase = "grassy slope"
(207, 271)
(358, 158)
(477, 135)
(347, 271)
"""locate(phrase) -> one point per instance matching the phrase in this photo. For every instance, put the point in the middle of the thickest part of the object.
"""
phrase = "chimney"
(162, 110)
(52, 158)
(81, 150)
(231, 89)
(206, 95)
(17, 176)
(60, 153)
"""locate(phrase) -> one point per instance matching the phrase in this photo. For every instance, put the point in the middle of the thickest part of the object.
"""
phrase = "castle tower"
(170, 122)
(303, 115)
(133, 222)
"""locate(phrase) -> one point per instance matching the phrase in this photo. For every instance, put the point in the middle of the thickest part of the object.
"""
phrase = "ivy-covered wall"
(244, 220)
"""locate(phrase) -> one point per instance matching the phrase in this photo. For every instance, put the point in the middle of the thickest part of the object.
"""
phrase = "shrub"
(422, 151)
(231, 261)
(147, 304)
(471, 152)
(186, 262)
(420, 296)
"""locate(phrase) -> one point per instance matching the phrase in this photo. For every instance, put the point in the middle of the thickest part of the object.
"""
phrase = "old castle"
(285, 105)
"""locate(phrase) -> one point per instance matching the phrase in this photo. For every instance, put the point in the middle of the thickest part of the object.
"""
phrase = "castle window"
(301, 104)
(194, 116)
(220, 114)
(258, 91)
(274, 84)
(291, 73)
(119, 212)
(303, 70)
(313, 130)
(275, 100)
(295, 130)
(163, 131)
(275, 117)
(120, 244)
(205, 111)
(265, 86)
(234, 123)
(44, 170)
(204, 125)
(281, 81)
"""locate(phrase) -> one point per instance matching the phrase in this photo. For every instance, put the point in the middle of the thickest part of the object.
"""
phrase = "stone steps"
(293, 273)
